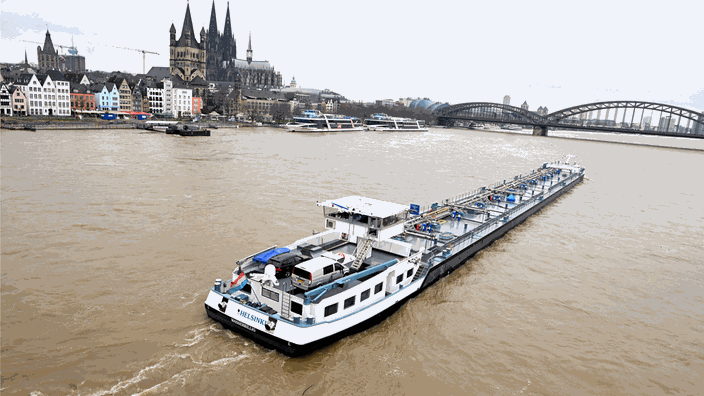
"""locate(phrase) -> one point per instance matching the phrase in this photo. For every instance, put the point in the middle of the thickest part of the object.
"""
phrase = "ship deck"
(447, 229)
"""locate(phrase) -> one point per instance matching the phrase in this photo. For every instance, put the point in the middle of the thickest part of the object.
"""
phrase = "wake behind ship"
(373, 256)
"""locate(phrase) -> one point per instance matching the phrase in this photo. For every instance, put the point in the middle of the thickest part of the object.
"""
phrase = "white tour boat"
(383, 122)
(315, 121)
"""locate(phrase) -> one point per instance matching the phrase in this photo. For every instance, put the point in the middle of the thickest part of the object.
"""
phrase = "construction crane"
(144, 54)
(71, 48)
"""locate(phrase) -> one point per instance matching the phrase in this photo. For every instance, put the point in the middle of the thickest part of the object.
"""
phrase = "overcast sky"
(548, 53)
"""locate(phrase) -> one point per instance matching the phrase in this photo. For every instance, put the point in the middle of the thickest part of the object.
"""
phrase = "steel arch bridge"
(628, 117)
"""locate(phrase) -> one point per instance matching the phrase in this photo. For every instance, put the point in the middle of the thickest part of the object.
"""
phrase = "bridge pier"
(540, 131)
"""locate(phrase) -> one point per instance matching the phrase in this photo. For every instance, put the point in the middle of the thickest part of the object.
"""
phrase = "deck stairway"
(364, 246)
(285, 305)
(422, 270)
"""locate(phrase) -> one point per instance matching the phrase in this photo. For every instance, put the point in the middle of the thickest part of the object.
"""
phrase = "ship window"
(296, 308)
(272, 295)
(364, 295)
(377, 288)
(349, 302)
(331, 309)
(399, 279)
(389, 220)
(328, 270)
(409, 273)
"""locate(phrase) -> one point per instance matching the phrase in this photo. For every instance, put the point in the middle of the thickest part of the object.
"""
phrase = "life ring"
(339, 126)
(343, 255)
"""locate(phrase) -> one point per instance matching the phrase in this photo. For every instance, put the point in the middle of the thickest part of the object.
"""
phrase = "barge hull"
(294, 350)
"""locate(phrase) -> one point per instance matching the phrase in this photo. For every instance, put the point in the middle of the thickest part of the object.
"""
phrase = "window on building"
(331, 309)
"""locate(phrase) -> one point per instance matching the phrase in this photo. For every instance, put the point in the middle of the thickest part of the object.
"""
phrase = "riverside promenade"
(30, 124)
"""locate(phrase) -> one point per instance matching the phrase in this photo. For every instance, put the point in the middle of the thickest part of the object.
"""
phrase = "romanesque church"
(214, 57)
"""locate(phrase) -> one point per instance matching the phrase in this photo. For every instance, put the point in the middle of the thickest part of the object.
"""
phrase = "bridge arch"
(635, 105)
(488, 111)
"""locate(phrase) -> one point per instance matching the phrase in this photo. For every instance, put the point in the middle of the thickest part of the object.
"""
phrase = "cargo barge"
(373, 257)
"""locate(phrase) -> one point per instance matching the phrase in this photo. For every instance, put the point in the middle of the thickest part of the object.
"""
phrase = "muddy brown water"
(111, 240)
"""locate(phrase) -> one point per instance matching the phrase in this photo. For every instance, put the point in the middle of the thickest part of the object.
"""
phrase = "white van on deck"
(321, 270)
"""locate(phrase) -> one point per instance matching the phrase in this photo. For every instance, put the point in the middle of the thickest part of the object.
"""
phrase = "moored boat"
(373, 256)
(383, 122)
(316, 121)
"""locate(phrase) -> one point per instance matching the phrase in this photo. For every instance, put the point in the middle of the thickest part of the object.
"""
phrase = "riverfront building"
(82, 98)
(44, 95)
(5, 100)
(19, 101)
(107, 97)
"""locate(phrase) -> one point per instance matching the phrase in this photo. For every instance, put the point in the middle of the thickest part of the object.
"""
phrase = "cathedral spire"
(228, 28)
(229, 45)
(249, 49)
(213, 28)
(25, 57)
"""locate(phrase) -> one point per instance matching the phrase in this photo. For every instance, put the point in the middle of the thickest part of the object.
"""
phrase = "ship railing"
(462, 198)
(460, 243)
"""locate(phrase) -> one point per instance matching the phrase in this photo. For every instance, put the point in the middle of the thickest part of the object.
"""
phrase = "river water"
(111, 240)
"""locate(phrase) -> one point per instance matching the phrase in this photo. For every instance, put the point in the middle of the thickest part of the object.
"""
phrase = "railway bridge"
(616, 116)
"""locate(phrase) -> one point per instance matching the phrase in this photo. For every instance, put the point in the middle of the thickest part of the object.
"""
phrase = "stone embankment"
(34, 125)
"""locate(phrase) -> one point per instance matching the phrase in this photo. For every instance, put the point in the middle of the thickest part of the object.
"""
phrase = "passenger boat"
(315, 121)
(373, 256)
(383, 122)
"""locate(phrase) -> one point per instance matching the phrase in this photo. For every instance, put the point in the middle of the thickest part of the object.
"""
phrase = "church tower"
(47, 57)
(187, 56)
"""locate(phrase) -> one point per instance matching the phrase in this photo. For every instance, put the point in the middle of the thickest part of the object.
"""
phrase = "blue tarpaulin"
(264, 257)
(511, 198)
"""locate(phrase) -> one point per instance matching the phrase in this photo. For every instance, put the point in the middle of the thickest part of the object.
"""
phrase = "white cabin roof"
(365, 206)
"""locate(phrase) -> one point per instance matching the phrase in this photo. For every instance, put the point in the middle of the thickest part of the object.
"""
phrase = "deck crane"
(144, 54)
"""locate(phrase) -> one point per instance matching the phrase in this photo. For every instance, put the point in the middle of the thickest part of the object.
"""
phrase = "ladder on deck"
(422, 270)
(362, 251)
(285, 304)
